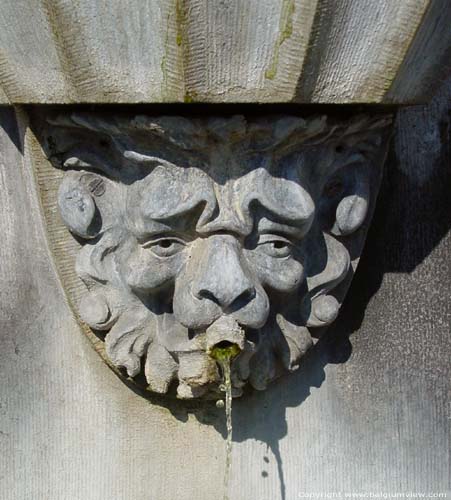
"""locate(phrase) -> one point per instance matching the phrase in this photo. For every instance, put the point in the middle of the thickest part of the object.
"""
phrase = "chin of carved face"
(224, 230)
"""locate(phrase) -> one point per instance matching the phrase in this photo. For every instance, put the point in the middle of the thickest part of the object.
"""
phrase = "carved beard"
(240, 184)
(135, 340)
(196, 373)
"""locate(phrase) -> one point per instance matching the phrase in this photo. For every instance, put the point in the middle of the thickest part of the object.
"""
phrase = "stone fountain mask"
(199, 232)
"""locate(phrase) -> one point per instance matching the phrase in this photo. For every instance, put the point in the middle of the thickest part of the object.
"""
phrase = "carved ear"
(352, 209)
(77, 206)
(343, 210)
(345, 199)
(89, 203)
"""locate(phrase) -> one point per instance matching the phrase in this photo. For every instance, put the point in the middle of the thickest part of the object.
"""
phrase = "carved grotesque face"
(208, 232)
(209, 248)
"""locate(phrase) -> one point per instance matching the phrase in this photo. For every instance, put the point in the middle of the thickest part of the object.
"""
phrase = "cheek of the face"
(284, 274)
(145, 271)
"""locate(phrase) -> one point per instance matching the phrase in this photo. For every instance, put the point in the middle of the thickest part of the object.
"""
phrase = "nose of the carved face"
(223, 280)
(231, 299)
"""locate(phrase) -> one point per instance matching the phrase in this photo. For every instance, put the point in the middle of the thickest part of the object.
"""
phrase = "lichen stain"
(285, 32)
(175, 22)
(164, 59)
(190, 97)
(179, 21)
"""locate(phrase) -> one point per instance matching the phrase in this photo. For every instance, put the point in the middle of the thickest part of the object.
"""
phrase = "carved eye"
(165, 247)
(274, 245)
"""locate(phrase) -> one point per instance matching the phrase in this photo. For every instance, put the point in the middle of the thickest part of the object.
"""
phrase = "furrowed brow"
(181, 222)
(273, 225)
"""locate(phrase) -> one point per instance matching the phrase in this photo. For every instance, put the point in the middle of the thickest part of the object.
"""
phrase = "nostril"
(206, 294)
(247, 295)
(242, 299)
(227, 299)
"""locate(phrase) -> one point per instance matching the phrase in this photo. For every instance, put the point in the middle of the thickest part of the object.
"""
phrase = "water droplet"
(220, 403)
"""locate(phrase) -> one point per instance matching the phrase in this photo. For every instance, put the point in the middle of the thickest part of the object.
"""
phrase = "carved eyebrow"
(168, 199)
(175, 223)
(275, 215)
(265, 225)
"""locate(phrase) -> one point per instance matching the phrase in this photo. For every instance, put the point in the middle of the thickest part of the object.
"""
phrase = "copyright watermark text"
(371, 495)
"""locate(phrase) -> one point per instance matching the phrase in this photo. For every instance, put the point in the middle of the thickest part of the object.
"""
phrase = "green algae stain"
(164, 59)
(190, 96)
(271, 72)
(179, 21)
(181, 41)
(222, 354)
(172, 61)
(285, 32)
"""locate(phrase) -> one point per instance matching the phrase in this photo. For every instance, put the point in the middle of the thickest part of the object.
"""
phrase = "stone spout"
(225, 333)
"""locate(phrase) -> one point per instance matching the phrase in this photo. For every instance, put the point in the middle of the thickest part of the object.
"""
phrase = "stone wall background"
(369, 411)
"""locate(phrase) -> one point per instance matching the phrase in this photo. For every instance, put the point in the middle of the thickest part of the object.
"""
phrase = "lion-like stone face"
(205, 250)
(219, 249)
(202, 232)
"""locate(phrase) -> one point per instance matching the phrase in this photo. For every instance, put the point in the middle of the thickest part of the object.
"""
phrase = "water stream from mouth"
(225, 365)
(223, 357)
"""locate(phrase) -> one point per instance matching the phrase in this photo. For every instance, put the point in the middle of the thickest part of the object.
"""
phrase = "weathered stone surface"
(366, 413)
(309, 51)
(69, 429)
(200, 231)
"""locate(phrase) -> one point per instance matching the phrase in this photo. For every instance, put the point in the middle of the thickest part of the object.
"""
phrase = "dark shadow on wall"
(8, 123)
